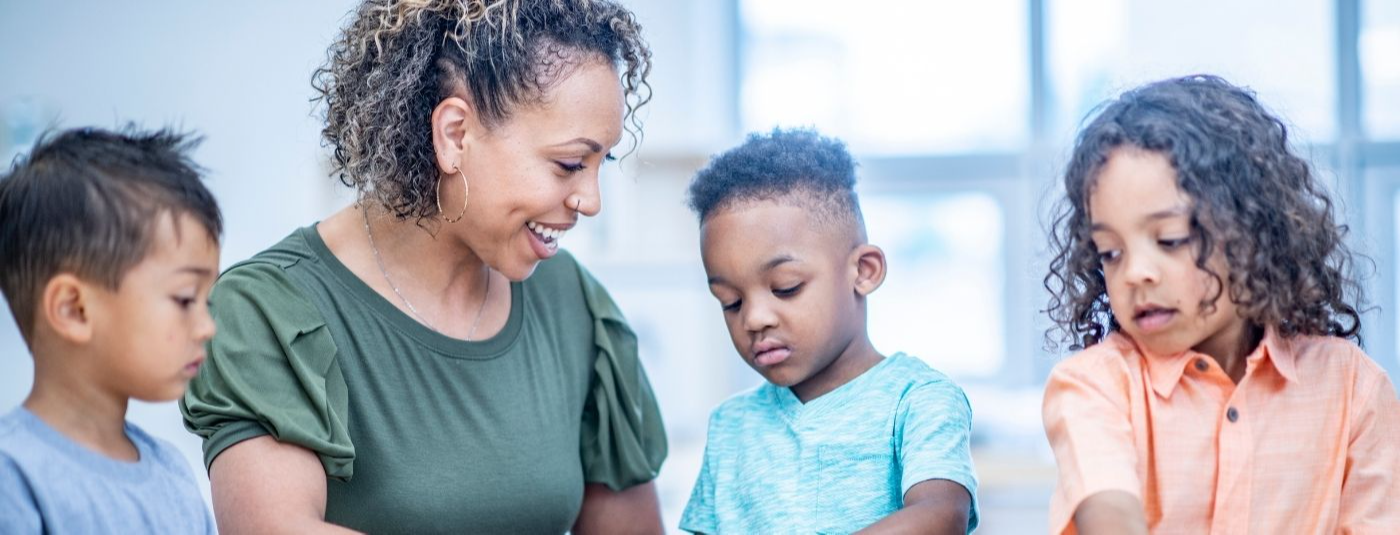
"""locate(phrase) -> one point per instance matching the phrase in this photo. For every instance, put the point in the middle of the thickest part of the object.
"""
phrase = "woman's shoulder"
(287, 253)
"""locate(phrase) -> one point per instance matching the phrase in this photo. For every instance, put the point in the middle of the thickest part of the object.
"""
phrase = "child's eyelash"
(787, 292)
(1172, 244)
(731, 306)
(609, 157)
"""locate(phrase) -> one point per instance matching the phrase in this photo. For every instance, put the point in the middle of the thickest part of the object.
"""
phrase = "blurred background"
(961, 114)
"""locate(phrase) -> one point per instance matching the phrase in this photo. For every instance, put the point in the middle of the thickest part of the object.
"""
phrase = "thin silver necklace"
(379, 260)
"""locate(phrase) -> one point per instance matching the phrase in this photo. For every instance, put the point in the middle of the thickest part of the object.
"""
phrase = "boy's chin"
(160, 395)
(783, 376)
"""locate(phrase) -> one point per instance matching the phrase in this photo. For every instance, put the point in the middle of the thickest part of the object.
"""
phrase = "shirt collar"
(1165, 371)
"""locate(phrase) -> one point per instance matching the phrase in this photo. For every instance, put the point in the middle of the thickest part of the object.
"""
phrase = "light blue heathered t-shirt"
(50, 484)
(837, 464)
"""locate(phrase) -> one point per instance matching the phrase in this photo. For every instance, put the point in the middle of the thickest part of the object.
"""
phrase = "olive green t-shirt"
(419, 432)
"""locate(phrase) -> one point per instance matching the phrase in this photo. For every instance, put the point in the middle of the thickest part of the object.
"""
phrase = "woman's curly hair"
(1253, 201)
(397, 59)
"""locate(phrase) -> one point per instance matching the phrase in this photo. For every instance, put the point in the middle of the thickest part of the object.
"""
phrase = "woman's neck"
(427, 273)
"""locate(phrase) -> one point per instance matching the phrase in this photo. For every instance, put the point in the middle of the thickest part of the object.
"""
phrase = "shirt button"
(1201, 365)
(1232, 414)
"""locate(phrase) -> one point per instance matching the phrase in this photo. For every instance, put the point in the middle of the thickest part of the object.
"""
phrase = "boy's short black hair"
(87, 201)
(792, 164)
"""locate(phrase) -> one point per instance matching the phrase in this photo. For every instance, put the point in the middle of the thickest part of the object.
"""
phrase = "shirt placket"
(1235, 481)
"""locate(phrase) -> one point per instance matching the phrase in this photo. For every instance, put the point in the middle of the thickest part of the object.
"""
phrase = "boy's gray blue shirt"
(50, 484)
(838, 463)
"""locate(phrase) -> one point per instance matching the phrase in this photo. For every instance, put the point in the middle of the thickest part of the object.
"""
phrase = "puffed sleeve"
(622, 440)
(271, 370)
(1088, 423)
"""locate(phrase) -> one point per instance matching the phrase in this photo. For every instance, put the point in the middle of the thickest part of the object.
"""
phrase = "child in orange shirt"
(1198, 261)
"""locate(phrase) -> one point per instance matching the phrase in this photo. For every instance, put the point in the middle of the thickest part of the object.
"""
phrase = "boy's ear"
(454, 123)
(66, 307)
(870, 268)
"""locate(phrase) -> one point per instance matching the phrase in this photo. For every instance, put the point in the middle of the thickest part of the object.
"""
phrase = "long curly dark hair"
(398, 59)
(1253, 200)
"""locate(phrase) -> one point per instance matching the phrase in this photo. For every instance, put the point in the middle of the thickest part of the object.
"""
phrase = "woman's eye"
(570, 167)
(787, 292)
(1108, 257)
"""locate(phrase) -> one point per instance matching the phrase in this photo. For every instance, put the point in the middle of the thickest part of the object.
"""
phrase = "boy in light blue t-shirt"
(109, 243)
(840, 438)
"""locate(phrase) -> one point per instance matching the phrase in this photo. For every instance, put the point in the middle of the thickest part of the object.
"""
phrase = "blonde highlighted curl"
(397, 59)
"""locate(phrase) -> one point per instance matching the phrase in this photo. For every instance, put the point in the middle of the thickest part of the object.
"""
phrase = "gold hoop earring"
(466, 190)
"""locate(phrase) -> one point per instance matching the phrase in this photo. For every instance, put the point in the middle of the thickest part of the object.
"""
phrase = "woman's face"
(532, 176)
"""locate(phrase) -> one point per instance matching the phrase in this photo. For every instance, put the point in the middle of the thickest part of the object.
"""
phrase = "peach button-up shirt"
(1307, 442)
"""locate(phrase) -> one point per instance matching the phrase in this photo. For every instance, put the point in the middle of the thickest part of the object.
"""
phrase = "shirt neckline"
(794, 408)
(134, 472)
(447, 346)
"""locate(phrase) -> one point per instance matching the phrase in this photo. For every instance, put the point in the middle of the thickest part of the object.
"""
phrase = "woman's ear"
(65, 306)
(454, 125)
(870, 268)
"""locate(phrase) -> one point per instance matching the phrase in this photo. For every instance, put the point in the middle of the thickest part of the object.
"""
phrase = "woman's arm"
(261, 485)
(632, 510)
(1110, 511)
(934, 506)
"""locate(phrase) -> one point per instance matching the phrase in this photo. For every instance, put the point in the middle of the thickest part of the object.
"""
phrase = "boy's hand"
(936, 506)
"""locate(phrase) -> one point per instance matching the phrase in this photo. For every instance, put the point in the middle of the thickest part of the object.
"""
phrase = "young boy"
(108, 247)
(840, 438)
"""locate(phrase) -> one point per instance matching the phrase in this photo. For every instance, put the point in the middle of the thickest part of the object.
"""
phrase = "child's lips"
(192, 368)
(1154, 319)
(772, 357)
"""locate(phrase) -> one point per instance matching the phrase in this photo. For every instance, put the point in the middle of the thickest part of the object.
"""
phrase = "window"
(1380, 68)
(889, 76)
(943, 298)
(1283, 49)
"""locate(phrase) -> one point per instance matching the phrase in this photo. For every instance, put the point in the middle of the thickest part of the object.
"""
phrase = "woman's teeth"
(546, 234)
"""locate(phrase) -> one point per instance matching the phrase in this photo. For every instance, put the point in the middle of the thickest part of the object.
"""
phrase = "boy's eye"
(787, 292)
(184, 302)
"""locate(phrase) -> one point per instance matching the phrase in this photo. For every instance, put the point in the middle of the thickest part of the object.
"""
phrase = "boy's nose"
(204, 326)
(759, 317)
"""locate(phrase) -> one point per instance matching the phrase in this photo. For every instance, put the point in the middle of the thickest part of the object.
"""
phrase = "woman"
(426, 359)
